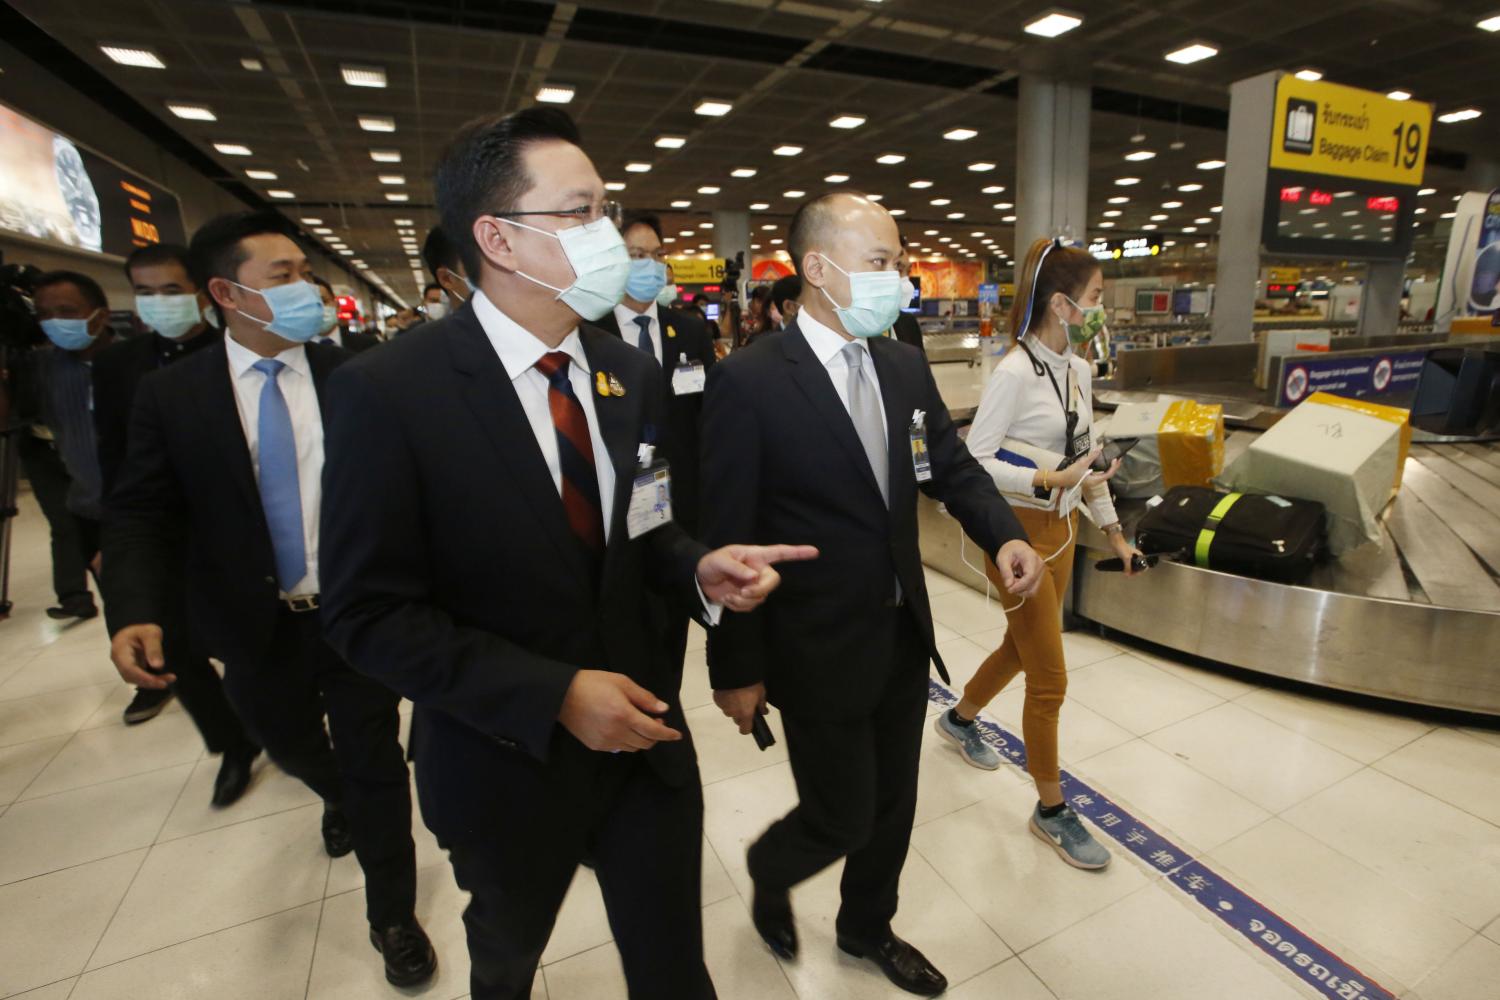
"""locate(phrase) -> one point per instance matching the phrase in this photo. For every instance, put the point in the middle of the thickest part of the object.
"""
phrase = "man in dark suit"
(225, 464)
(831, 427)
(332, 333)
(906, 328)
(170, 304)
(502, 580)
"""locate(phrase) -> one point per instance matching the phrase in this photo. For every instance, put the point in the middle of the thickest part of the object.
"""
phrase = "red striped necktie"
(575, 452)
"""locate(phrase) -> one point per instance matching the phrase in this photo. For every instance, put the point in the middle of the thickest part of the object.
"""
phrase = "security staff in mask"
(447, 269)
(332, 332)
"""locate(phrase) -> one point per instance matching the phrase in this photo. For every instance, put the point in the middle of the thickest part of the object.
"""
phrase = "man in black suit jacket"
(490, 553)
(350, 340)
(225, 464)
(906, 328)
(170, 303)
(801, 433)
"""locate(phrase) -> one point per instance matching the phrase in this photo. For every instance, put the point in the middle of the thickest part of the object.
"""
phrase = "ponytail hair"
(1050, 267)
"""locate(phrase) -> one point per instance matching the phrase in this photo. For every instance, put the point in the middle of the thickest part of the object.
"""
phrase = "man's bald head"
(819, 224)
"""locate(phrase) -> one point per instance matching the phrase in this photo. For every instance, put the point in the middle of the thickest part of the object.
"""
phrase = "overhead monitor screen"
(54, 190)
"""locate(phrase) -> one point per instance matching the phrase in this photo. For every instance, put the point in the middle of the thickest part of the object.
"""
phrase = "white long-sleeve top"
(1022, 405)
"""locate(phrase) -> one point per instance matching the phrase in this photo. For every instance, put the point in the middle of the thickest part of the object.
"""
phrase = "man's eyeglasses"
(611, 210)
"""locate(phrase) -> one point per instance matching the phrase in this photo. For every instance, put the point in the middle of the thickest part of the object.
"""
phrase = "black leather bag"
(1269, 537)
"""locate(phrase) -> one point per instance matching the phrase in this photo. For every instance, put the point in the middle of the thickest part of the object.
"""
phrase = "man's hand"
(740, 577)
(133, 649)
(742, 705)
(608, 711)
(1020, 567)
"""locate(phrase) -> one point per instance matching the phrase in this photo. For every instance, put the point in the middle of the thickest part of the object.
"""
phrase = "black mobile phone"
(764, 738)
(1138, 564)
(1111, 451)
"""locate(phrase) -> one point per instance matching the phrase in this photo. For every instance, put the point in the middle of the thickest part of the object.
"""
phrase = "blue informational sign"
(1354, 378)
(989, 292)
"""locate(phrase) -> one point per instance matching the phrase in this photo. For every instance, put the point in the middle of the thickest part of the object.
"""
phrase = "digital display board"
(1129, 249)
(1313, 214)
(54, 190)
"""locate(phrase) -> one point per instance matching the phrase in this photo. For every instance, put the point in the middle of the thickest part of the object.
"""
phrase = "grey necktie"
(864, 410)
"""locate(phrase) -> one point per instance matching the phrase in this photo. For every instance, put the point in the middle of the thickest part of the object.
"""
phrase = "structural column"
(1052, 162)
(732, 236)
(1250, 111)
(1380, 302)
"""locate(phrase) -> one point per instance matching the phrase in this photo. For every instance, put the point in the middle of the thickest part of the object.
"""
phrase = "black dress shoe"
(147, 704)
(234, 776)
(80, 606)
(409, 958)
(338, 839)
(902, 964)
(771, 912)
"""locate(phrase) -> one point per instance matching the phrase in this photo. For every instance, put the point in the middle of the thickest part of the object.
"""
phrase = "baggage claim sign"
(1345, 166)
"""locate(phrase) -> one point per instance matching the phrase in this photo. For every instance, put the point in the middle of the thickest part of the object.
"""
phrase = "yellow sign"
(697, 270)
(1327, 128)
(1283, 275)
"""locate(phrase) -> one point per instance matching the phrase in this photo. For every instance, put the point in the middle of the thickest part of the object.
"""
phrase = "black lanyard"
(1070, 414)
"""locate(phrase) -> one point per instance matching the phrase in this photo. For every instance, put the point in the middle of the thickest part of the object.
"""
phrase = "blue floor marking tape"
(1306, 959)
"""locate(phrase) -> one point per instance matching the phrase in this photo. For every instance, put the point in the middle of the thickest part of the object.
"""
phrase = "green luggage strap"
(1211, 528)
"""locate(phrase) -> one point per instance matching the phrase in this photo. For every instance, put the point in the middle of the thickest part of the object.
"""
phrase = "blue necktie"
(644, 322)
(280, 490)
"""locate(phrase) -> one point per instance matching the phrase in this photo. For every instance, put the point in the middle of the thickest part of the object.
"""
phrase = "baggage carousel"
(1414, 618)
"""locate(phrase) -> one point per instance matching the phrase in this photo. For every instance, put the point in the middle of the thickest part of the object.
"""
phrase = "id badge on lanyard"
(921, 460)
(650, 495)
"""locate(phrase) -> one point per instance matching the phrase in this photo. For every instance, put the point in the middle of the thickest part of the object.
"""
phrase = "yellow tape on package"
(1191, 442)
(1391, 414)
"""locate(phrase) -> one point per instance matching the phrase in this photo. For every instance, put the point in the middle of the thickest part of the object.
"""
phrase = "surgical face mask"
(469, 285)
(330, 319)
(1091, 327)
(437, 310)
(296, 310)
(210, 316)
(647, 278)
(600, 262)
(172, 316)
(875, 300)
(70, 334)
(911, 291)
(667, 295)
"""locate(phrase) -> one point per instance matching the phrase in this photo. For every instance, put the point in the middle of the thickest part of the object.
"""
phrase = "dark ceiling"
(913, 68)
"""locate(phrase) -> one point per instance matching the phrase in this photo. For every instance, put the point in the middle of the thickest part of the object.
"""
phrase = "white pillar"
(1250, 114)
(1380, 301)
(1052, 161)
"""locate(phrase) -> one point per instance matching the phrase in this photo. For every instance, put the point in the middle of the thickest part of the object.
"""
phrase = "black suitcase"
(1270, 537)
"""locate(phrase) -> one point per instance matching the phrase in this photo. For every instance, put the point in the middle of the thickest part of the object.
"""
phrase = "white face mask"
(875, 300)
(172, 316)
(600, 262)
(437, 310)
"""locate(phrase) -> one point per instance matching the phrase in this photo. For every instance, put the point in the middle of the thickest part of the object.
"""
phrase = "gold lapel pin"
(601, 383)
(671, 332)
(616, 387)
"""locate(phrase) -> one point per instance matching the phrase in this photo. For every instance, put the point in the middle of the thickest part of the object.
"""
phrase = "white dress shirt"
(828, 347)
(519, 352)
(301, 397)
(631, 331)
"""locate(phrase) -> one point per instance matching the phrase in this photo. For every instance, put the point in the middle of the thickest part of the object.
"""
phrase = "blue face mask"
(875, 300)
(70, 334)
(296, 310)
(647, 278)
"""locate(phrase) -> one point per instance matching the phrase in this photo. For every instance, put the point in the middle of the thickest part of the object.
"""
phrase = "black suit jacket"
(786, 464)
(681, 334)
(907, 330)
(450, 573)
(357, 343)
(188, 478)
(118, 371)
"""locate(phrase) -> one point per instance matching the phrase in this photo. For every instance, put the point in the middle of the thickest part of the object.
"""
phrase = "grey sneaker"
(1066, 834)
(969, 740)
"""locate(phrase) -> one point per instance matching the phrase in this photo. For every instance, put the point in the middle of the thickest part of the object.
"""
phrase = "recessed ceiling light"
(346, 252)
(793, 193)
(682, 204)
(759, 206)
(992, 189)
(397, 196)
(1211, 165)
(1113, 213)
(386, 155)
(705, 225)
(890, 159)
(323, 231)
(253, 65)
(1158, 218)
(1399, 95)
(1053, 23)
(1424, 192)
(836, 178)
(1189, 188)
(787, 149)
(848, 121)
(708, 189)
(1106, 225)
(393, 178)
(614, 185)
(1309, 75)
(981, 167)
(1002, 205)
(687, 232)
(377, 123)
(637, 168)
(1188, 54)
(311, 222)
(1118, 200)
(955, 215)
(776, 242)
(555, 93)
(945, 239)
(1217, 209)
(670, 142)
(399, 222)
(363, 76)
(1171, 204)
(261, 175)
(1419, 211)
(920, 184)
(713, 109)
(1461, 115)
(193, 112)
(127, 55)
(768, 226)
(874, 197)
(897, 211)
(1320, 225)
(1008, 218)
(1149, 226)
(941, 202)
(960, 134)
(279, 193)
(1489, 23)
(1206, 220)
(1141, 155)
(743, 172)
(1448, 215)
(755, 246)
(1126, 181)
(232, 149)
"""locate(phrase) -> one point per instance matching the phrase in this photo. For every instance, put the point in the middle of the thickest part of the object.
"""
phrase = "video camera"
(733, 268)
(19, 330)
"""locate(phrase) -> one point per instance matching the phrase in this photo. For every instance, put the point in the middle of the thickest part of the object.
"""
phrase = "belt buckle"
(302, 605)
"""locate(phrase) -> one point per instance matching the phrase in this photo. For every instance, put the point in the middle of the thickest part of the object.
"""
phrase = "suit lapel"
(619, 419)
(492, 398)
(898, 413)
(812, 378)
(221, 414)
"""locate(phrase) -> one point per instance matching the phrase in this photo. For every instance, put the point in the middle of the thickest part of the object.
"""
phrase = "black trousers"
(646, 841)
(857, 789)
(199, 688)
(49, 483)
(282, 698)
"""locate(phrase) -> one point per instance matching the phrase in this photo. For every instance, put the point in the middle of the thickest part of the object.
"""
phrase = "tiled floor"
(1375, 832)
